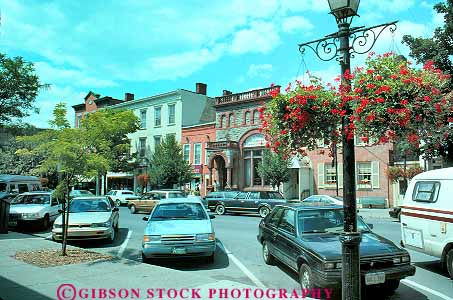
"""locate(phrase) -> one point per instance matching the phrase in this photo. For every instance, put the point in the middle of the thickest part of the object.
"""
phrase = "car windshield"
(191, 211)
(31, 199)
(275, 195)
(89, 205)
(83, 192)
(3, 187)
(324, 221)
(176, 195)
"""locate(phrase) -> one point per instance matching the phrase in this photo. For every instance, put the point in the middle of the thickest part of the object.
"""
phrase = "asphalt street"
(238, 257)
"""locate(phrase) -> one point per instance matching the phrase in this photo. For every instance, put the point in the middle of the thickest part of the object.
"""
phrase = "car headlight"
(205, 237)
(30, 215)
(105, 224)
(332, 266)
(397, 260)
(151, 238)
(405, 259)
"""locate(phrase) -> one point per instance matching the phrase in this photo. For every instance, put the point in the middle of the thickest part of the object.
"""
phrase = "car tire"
(118, 202)
(220, 209)
(398, 216)
(133, 209)
(45, 222)
(263, 211)
(269, 259)
(305, 277)
(450, 263)
(391, 286)
(117, 227)
(210, 258)
(145, 260)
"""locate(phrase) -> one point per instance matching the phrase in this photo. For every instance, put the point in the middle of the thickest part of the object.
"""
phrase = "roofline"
(126, 103)
(198, 125)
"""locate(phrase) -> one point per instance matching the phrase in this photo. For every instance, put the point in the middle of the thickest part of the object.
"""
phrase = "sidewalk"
(375, 213)
(19, 280)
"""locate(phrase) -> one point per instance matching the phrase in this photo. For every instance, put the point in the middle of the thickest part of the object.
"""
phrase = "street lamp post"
(342, 45)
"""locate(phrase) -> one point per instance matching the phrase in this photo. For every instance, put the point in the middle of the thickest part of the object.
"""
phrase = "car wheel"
(145, 260)
(117, 227)
(267, 256)
(45, 222)
(133, 209)
(220, 209)
(210, 258)
(450, 263)
(305, 277)
(399, 216)
(263, 211)
(118, 202)
(391, 286)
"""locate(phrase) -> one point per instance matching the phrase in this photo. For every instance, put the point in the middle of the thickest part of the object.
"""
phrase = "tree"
(168, 166)
(274, 168)
(19, 87)
(439, 49)
(77, 152)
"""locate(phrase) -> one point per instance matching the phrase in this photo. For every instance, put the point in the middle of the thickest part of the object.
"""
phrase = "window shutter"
(340, 175)
(375, 174)
(321, 175)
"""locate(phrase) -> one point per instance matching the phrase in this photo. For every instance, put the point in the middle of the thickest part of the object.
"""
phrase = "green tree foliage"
(439, 49)
(19, 87)
(274, 167)
(167, 165)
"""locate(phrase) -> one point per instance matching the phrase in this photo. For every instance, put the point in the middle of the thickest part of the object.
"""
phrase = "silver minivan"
(13, 185)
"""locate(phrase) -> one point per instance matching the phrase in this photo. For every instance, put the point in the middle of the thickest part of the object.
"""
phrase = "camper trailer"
(427, 215)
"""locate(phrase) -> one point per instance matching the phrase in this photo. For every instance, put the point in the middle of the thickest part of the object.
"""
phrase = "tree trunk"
(63, 225)
(66, 225)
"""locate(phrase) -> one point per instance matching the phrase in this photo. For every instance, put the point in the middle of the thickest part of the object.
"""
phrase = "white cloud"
(264, 70)
(296, 24)
(260, 37)
(47, 100)
(52, 75)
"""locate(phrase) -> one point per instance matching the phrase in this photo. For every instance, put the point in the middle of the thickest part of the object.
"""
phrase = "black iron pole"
(350, 238)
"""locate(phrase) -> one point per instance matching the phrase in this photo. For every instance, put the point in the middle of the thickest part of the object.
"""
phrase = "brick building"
(238, 148)
(194, 141)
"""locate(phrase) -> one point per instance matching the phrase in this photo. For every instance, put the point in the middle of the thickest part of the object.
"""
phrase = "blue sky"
(151, 47)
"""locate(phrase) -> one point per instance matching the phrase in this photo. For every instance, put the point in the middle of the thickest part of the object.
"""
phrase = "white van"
(427, 215)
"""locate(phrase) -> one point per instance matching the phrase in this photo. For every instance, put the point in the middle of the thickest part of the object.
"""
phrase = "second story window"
(186, 152)
(79, 121)
(256, 117)
(143, 119)
(157, 116)
(197, 154)
(247, 117)
(223, 121)
(157, 140)
(231, 120)
(171, 114)
(142, 147)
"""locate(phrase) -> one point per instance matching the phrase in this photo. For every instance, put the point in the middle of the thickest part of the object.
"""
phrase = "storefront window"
(252, 159)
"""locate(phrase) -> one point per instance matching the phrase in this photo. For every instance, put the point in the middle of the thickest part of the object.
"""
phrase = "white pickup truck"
(34, 207)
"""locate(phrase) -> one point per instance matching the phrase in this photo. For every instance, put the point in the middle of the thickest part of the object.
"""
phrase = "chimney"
(128, 97)
(226, 92)
(201, 88)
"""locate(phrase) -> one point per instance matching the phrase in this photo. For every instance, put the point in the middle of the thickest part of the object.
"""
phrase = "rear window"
(426, 191)
(275, 195)
(176, 195)
(128, 193)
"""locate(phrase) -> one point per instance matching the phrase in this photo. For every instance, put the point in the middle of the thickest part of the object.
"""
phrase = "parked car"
(35, 207)
(219, 197)
(260, 202)
(427, 215)
(179, 228)
(13, 185)
(121, 196)
(307, 239)
(89, 218)
(395, 212)
(323, 200)
(148, 200)
(80, 193)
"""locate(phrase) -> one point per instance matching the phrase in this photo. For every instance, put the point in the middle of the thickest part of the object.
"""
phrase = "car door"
(238, 203)
(286, 238)
(115, 213)
(270, 231)
(55, 206)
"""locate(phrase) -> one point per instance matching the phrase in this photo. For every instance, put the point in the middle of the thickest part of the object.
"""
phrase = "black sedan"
(306, 239)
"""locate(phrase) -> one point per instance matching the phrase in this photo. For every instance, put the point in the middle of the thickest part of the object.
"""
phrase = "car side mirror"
(370, 225)
(60, 211)
(145, 219)
(211, 216)
(115, 209)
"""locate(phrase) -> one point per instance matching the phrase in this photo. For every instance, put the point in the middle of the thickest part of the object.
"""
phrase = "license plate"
(12, 223)
(374, 278)
(413, 237)
(179, 251)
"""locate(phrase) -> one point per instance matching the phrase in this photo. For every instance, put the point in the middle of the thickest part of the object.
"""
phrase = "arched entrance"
(218, 175)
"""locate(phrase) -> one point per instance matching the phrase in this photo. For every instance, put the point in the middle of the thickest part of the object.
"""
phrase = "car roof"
(8, 177)
(90, 198)
(37, 193)
(445, 173)
(301, 206)
(166, 191)
(180, 200)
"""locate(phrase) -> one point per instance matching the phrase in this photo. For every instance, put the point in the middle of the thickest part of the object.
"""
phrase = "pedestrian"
(216, 186)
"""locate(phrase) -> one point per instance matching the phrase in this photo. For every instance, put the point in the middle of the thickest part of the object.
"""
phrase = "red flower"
(404, 71)
(418, 118)
(383, 139)
(370, 71)
(404, 102)
(383, 89)
(427, 98)
(364, 139)
(370, 85)
(284, 131)
(378, 77)
(412, 138)
(438, 107)
(380, 100)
